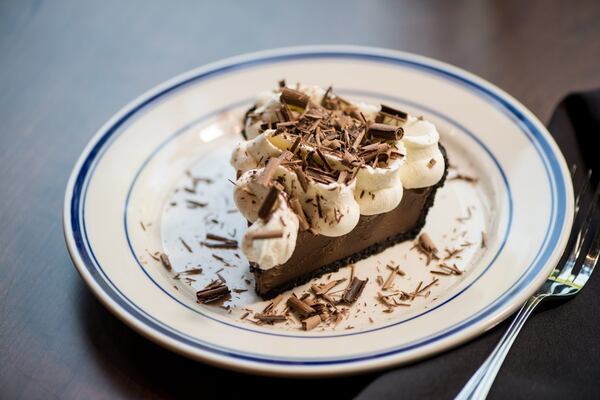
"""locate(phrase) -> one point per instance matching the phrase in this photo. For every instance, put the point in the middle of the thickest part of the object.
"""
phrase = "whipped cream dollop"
(340, 169)
(424, 163)
(269, 251)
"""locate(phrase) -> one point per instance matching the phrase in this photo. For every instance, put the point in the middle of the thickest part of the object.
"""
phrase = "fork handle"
(480, 383)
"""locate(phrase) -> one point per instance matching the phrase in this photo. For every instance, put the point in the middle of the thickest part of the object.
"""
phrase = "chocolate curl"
(385, 132)
(294, 98)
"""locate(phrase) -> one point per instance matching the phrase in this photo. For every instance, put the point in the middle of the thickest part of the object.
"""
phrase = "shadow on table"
(137, 366)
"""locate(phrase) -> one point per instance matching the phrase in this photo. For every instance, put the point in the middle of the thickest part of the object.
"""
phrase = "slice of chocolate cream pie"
(325, 182)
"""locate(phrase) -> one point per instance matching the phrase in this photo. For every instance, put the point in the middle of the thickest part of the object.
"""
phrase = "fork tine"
(590, 261)
(584, 188)
(568, 266)
(591, 258)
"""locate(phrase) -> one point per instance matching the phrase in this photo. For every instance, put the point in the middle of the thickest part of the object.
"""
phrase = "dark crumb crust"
(369, 251)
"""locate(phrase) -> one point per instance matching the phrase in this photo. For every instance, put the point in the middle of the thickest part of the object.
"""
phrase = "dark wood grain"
(67, 66)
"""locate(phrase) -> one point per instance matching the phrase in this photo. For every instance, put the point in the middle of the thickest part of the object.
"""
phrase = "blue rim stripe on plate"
(533, 134)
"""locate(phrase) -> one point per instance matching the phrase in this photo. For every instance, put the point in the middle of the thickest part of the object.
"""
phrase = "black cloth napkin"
(557, 354)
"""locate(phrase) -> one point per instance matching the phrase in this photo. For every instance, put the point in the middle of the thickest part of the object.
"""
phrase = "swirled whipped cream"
(315, 161)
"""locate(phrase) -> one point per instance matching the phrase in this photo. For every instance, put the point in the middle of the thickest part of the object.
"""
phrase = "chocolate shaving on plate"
(355, 290)
(390, 279)
(274, 303)
(300, 307)
(213, 292)
(164, 259)
(270, 318)
(193, 271)
(195, 204)
(232, 245)
(426, 243)
(463, 177)
(212, 236)
(187, 246)
(311, 322)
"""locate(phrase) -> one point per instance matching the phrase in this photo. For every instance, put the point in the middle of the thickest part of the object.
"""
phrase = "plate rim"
(289, 370)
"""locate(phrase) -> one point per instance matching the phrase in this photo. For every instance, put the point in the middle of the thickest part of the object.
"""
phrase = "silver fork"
(565, 281)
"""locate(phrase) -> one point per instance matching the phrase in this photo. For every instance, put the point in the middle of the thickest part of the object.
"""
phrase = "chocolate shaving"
(358, 139)
(270, 318)
(463, 177)
(274, 303)
(294, 98)
(233, 244)
(195, 204)
(187, 246)
(326, 287)
(270, 234)
(266, 208)
(434, 281)
(326, 95)
(301, 178)
(221, 259)
(324, 160)
(164, 259)
(155, 255)
(297, 208)
(311, 322)
(212, 236)
(484, 240)
(295, 145)
(319, 210)
(385, 132)
(285, 112)
(452, 253)
(193, 271)
(393, 112)
(426, 243)
(385, 300)
(390, 279)
(452, 269)
(267, 174)
(355, 290)
(417, 291)
(213, 292)
(431, 163)
(440, 273)
(396, 269)
(300, 307)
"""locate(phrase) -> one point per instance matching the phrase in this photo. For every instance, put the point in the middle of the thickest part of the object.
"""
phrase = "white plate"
(133, 171)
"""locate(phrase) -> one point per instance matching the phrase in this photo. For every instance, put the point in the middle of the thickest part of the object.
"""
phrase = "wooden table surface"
(67, 66)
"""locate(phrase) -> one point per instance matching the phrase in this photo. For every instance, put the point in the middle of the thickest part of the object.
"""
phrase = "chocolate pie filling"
(316, 255)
